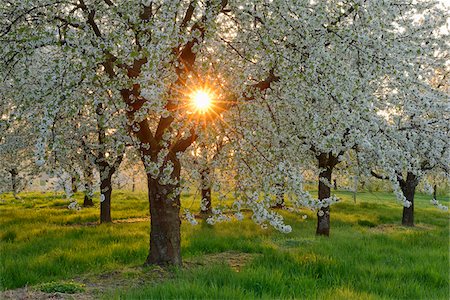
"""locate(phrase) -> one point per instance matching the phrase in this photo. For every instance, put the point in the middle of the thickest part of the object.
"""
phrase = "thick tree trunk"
(105, 200)
(323, 215)
(165, 222)
(408, 187)
(205, 208)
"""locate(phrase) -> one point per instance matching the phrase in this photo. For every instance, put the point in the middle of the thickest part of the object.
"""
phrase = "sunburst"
(202, 100)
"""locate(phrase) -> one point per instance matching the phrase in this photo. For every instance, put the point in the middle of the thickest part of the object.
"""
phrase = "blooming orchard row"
(296, 86)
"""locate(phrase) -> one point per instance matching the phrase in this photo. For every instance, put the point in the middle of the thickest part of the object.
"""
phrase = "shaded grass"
(363, 258)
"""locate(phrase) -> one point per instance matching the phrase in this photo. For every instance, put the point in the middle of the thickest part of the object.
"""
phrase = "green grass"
(62, 287)
(368, 255)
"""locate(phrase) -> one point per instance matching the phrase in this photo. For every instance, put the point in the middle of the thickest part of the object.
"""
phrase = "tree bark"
(165, 222)
(106, 169)
(206, 193)
(88, 201)
(279, 196)
(105, 190)
(408, 187)
(88, 188)
(14, 182)
(74, 184)
(323, 215)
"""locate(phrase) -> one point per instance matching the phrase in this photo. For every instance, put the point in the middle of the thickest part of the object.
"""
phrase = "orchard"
(224, 149)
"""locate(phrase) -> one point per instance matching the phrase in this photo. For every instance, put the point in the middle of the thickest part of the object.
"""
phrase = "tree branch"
(382, 177)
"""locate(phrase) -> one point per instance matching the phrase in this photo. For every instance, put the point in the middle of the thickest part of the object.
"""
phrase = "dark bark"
(408, 187)
(14, 182)
(88, 188)
(74, 184)
(206, 193)
(106, 190)
(165, 222)
(335, 184)
(88, 201)
(326, 164)
(435, 192)
(106, 169)
(88, 177)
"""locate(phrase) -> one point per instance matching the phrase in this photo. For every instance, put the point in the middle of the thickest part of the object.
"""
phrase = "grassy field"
(368, 256)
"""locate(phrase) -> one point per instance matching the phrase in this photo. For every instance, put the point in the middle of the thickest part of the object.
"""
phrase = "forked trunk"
(205, 208)
(323, 215)
(408, 187)
(165, 222)
(105, 197)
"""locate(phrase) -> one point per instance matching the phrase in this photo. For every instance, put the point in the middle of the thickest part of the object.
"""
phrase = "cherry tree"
(88, 140)
(340, 65)
(414, 104)
(16, 152)
(323, 103)
(150, 55)
(17, 139)
(417, 142)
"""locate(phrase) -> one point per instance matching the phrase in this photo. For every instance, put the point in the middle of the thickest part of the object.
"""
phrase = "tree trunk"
(165, 222)
(106, 170)
(14, 182)
(409, 188)
(323, 215)
(74, 184)
(435, 192)
(205, 208)
(355, 187)
(105, 200)
(279, 196)
(88, 188)
(88, 201)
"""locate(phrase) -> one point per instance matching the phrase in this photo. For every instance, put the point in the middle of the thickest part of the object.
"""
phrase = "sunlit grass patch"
(368, 255)
(62, 287)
